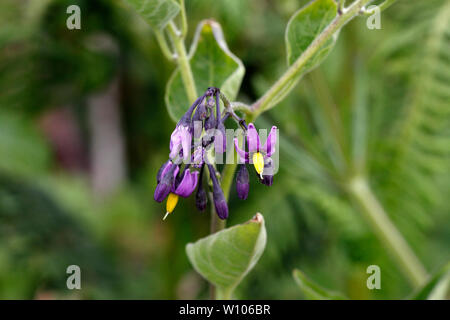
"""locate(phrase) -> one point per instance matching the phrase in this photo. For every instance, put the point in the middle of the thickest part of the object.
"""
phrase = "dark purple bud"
(242, 182)
(219, 199)
(167, 181)
(201, 198)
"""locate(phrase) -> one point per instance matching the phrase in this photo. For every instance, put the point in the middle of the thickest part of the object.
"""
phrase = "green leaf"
(437, 288)
(304, 26)
(313, 291)
(212, 64)
(225, 258)
(157, 13)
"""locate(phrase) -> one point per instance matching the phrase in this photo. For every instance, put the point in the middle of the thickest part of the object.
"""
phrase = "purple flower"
(257, 154)
(242, 182)
(219, 199)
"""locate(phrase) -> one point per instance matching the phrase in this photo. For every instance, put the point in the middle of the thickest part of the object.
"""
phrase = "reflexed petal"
(269, 145)
(252, 138)
(160, 171)
(167, 181)
(186, 139)
(187, 184)
(243, 155)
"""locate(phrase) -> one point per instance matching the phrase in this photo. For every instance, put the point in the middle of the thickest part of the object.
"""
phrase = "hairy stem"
(183, 62)
(285, 83)
(386, 231)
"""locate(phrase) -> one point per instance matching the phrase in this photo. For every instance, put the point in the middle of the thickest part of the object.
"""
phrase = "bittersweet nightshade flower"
(219, 198)
(198, 136)
(242, 182)
(256, 153)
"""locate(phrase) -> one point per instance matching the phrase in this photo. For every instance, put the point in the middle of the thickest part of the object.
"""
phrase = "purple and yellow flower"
(257, 154)
(203, 121)
(172, 185)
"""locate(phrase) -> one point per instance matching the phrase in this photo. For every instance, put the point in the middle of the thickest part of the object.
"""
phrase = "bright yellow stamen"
(258, 162)
(171, 203)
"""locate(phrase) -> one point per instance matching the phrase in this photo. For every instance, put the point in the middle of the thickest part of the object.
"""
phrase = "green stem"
(164, 46)
(183, 62)
(386, 231)
(386, 4)
(285, 83)
(184, 25)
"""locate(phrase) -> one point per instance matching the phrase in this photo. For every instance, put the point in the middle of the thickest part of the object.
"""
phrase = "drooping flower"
(173, 185)
(256, 154)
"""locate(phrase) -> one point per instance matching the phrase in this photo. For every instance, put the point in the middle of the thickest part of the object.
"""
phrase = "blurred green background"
(84, 129)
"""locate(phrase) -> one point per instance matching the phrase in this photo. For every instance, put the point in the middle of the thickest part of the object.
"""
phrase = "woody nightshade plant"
(317, 26)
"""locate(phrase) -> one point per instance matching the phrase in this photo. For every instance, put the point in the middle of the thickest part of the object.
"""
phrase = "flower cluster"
(200, 132)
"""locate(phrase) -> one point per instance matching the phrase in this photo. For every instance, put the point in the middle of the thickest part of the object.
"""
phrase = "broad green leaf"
(437, 288)
(213, 65)
(157, 13)
(313, 291)
(224, 258)
(303, 27)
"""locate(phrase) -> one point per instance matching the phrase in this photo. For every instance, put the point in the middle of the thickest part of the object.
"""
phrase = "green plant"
(341, 167)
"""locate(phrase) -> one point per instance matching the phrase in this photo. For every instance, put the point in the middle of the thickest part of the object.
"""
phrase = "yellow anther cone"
(258, 162)
(171, 203)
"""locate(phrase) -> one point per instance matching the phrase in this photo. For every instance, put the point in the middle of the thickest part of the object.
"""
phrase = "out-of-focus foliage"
(391, 86)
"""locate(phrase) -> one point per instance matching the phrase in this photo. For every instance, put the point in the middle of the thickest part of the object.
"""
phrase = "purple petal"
(187, 184)
(186, 138)
(269, 146)
(243, 155)
(164, 187)
(252, 138)
(180, 139)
